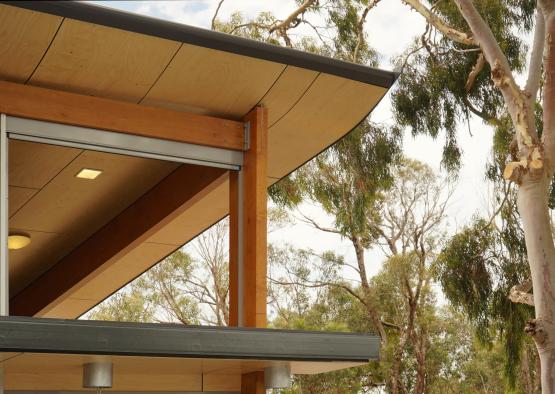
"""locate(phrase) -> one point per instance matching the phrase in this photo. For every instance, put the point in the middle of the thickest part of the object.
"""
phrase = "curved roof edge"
(209, 39)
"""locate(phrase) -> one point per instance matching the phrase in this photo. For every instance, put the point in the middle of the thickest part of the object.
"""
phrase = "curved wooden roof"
(312, 102)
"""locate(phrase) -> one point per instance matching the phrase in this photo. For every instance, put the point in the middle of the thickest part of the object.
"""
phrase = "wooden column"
(248, 205)
(253, 383)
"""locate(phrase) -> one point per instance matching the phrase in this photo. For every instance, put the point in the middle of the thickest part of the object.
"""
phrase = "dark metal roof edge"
(209, 39)
(39, 335)
(166, 326)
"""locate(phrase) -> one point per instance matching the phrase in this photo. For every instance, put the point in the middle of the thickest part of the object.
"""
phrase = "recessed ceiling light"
(18, 240)
(88, 173)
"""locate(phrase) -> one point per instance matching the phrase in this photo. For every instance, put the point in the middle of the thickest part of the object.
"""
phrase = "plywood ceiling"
(58, 209)
(308, 110)
(32, 371)
(90, 59)
(24, 37)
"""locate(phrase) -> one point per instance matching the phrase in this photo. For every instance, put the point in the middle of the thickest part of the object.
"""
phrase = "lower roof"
(38, 335)
(48, 354)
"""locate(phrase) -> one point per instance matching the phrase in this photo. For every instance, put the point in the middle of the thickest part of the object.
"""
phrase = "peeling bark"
(533, 171)
(520, 293)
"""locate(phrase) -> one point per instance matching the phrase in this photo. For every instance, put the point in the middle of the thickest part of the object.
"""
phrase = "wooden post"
(248, 287)
(253, 383)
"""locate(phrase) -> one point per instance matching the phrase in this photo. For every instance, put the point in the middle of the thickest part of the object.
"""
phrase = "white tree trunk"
(534, 170)
(533, 208)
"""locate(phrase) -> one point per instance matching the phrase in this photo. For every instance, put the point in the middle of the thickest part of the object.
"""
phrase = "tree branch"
(536, 58)
(548, 135)
(213, 24)
(496, 212)
(391, 325)
(321, 284)
(477, 69)
(531, 156)
(250, 24)
(284, 25)
(313, 223)
(360, 28)
(435, 21)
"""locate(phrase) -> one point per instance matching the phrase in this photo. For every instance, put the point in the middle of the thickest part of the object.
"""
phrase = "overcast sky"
(391, 26)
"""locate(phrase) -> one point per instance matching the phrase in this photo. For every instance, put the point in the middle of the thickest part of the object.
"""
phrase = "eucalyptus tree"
(156, 296)
(399, 209)
(468, 61)
(189, 286)
(477, 269)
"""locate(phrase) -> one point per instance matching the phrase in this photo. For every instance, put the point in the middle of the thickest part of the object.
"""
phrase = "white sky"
(391, 26)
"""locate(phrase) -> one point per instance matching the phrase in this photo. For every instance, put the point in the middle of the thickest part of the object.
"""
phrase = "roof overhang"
(168, 30)
(87, 50)
(163, 357)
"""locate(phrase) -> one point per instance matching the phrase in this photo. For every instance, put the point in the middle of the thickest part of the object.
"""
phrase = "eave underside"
(79, 48)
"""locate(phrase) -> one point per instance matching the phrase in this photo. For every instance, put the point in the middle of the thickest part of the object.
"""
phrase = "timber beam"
(99, 113)
(126, 231)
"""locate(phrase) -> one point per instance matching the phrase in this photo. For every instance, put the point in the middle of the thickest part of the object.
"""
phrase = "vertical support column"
(4, 282)
(255, 247)
(236, 255)
(248, 238)
(4, 279)
(253, 383)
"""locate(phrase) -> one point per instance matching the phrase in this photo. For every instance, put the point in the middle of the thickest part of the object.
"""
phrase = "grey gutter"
(39, 335)
(209, 39)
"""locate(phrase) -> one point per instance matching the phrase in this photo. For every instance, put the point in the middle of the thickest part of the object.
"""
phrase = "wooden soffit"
(75, 47)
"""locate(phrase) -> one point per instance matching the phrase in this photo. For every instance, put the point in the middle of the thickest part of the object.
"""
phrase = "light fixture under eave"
(277, 377)
(88, 173)
(98, 375)
(18, 240)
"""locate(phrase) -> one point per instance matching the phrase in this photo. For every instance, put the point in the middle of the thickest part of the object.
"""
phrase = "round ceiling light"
(18, 240)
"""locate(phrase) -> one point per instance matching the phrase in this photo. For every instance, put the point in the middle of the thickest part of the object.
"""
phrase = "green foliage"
(454, 358)
(353, 181)
(157, 295)
(256, 29)
(347, 179)
(464, 272)
(344, 16)
(129, 305)
(465, 365)
(477, 269)
(431, 96)
(165, 285)
(287, 192)
(333, 310)
(391, 288)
